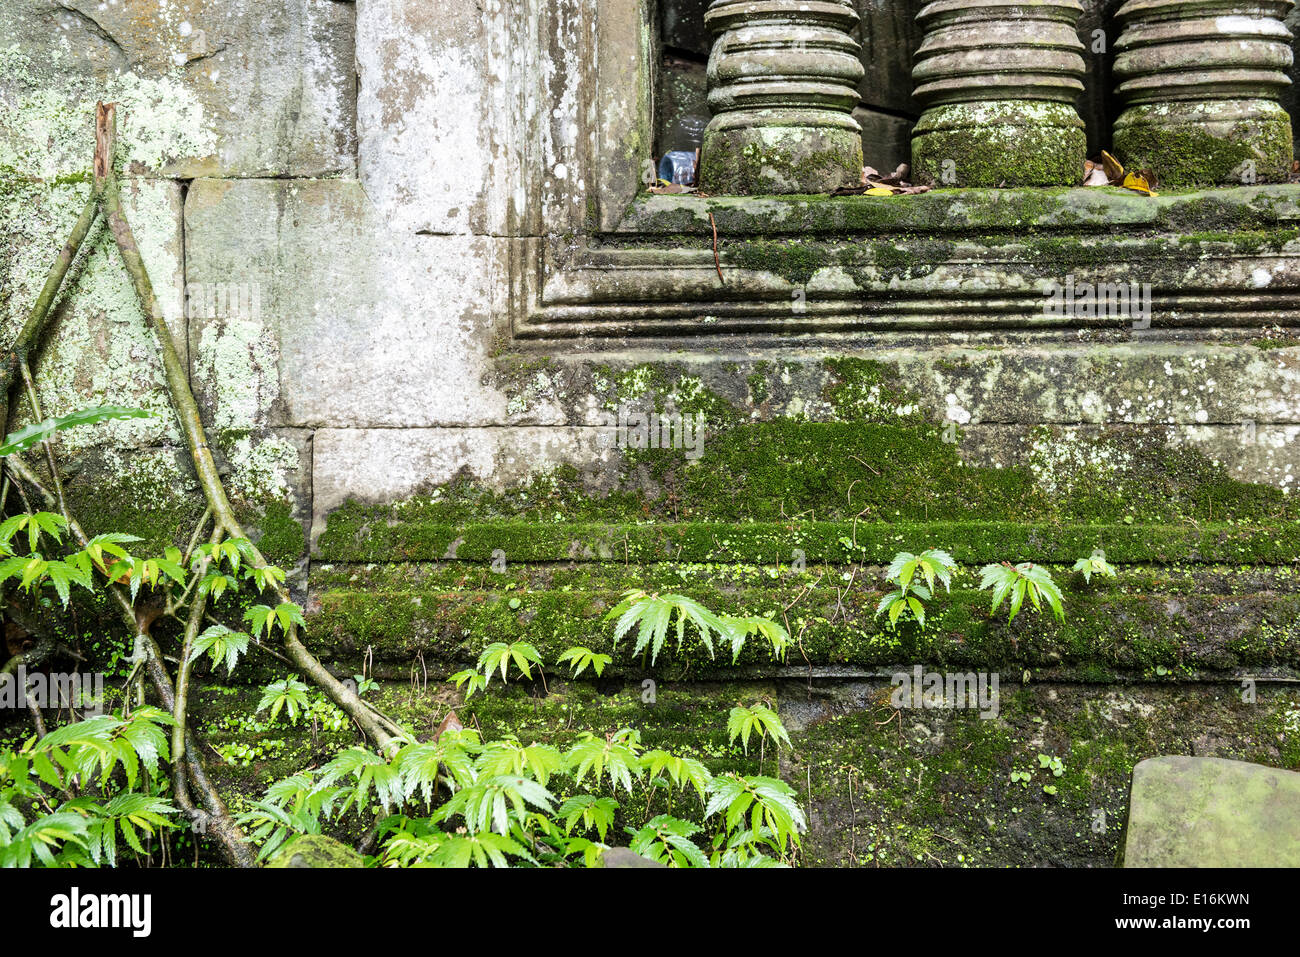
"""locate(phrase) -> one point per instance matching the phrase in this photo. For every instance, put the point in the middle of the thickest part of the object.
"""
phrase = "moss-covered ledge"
(1084, 210)
(1137, 628)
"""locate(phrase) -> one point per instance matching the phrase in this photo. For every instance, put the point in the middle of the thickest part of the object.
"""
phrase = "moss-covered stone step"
(614, 577)
(1108, 634)
(972, 210)
(854, 472)
(414, 539)
(883, 786)
(933, 788)
(688, 720)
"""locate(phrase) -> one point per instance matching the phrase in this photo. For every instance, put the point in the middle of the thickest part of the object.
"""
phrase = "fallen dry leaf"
(1096, 176)
(1113, 167)
(449, 723)
(1139, 183)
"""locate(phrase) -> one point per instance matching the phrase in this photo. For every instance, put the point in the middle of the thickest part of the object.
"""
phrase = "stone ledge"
(1094, 209)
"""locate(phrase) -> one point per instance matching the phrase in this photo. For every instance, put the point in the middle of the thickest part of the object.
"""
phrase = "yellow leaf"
(879, 191)
(1138, 183)
(1113, 167)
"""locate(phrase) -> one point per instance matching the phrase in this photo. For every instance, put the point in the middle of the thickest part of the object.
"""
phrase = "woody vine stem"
(189, 776)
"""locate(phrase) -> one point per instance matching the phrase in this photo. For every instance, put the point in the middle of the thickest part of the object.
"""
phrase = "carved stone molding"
(783, 82)
(593, 260)
(1201, 82)
(998, 81)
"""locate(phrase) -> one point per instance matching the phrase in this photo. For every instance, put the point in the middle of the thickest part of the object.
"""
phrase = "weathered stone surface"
(890, 37)
(432, 74)
(626, 857)
(99, 349)
(1201, 89)
(998, 85)
(205, 87)
(385, 465)
(1208, 812)
(354, 326)
(886, 139)
(782, 84)
(315, 850)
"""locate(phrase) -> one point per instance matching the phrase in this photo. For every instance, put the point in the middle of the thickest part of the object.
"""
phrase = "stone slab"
(427, 80)
(352, 324)
(386, 465)
(1209, 812)
(98, 350)
(206, 87)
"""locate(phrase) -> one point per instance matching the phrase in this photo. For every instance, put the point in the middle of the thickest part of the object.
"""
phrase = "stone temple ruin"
(431, 294)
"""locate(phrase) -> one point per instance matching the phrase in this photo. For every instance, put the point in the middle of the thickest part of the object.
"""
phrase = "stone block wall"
(396, 243)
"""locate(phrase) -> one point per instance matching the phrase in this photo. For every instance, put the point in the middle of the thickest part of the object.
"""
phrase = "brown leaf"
(449, 723)
(1114, 168)
(1096, 177)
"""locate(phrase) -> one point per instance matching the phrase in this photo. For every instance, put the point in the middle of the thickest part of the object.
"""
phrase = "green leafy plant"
(1096, 564)
(499, 656)
(62, 803)
(739, 630)
(25, 438)
(1050, 763)
(652, 615)
(222, 645)
(745, 721)
(473, 682)
(1019, 582)
(580, 658)
(289, 695)
(909, 595)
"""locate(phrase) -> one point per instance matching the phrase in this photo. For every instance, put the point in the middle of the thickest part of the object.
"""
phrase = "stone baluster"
(1200, 80)
(998, 82)
(783, 82)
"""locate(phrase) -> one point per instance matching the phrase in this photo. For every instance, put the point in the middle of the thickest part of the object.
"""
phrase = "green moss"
(282, 540)
(793, 260)
(999, 143)
(1191, 153)
(932, 787)
(1110, 631)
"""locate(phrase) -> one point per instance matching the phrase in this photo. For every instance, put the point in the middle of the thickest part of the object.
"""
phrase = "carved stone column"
(783, 81)
(1201, 81)
(998, 81)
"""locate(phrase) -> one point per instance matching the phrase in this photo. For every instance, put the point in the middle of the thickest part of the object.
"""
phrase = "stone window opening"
(889, 37)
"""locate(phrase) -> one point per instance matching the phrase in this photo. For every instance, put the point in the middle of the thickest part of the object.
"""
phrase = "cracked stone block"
(98, 349)
(1210, 812)
(205, 87)
(306, 311)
